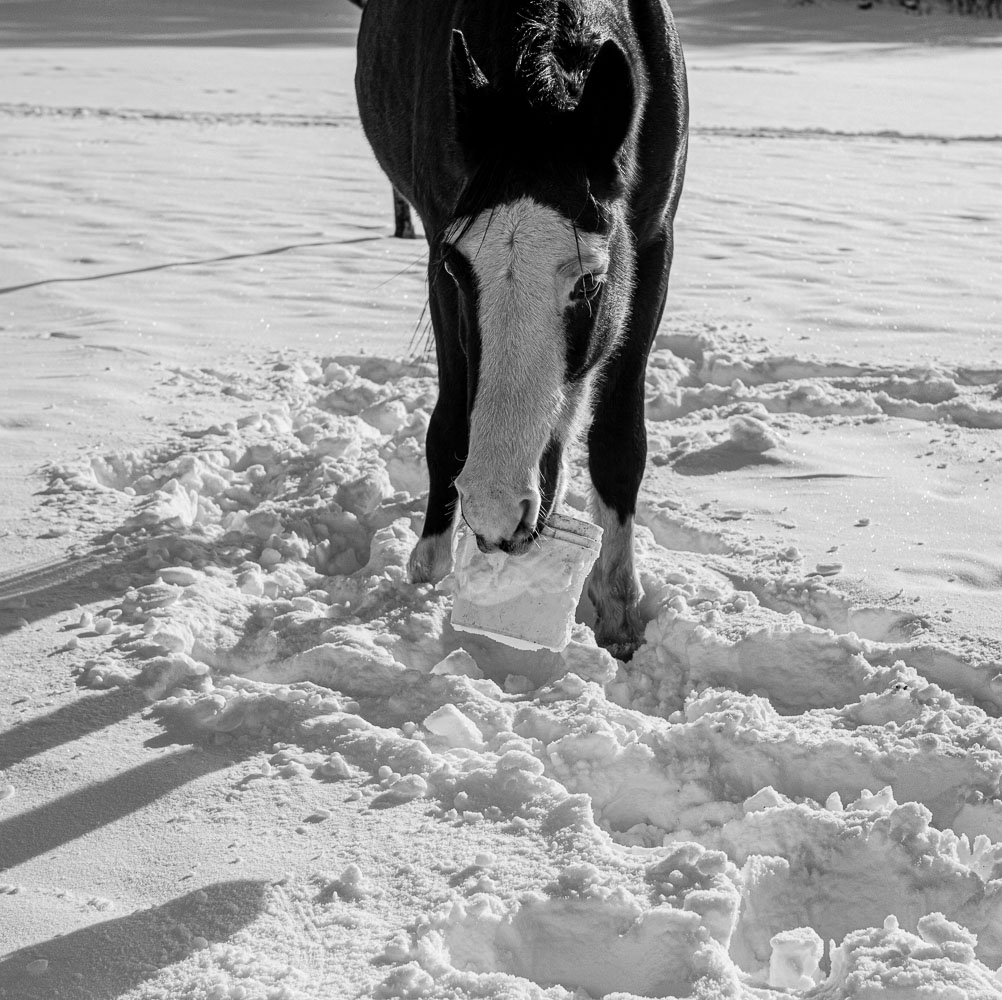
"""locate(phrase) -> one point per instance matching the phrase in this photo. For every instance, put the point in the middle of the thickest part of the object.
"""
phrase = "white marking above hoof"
(614, 588)
(431, 559)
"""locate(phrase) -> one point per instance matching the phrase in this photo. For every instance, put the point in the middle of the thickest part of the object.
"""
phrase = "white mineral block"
(526, 601)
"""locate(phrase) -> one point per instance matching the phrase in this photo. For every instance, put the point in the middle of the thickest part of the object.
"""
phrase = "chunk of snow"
(795, 958)
(458, 663)
(455, 728)
(749, 433)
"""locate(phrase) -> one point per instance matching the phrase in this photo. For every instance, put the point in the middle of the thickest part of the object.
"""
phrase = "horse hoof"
(622, 642)
(431, 559)
(620, 629)
(622, 651)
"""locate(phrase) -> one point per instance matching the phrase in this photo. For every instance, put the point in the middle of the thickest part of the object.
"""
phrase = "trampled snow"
(749, 785)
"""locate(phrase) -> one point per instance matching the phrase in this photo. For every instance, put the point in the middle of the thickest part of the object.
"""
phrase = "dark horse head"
(540, 256)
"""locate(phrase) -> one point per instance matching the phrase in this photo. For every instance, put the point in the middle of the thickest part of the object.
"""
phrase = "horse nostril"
(530, 514)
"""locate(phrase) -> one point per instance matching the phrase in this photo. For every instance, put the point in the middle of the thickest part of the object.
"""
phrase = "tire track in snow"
(837, 135)
(288, 120)
(272, 119)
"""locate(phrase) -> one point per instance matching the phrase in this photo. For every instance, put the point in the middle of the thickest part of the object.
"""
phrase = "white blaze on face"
(527, 259)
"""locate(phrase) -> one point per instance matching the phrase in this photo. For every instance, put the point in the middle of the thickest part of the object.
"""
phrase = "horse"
(543, 144)
(403, 224)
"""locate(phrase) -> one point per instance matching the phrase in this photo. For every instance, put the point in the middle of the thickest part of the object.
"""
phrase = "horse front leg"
(617, 454)
(447, 440)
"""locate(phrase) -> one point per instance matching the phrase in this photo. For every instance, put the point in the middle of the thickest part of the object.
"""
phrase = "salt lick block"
(526, 601)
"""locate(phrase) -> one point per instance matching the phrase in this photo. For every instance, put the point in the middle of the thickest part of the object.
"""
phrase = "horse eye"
(586, 288)
(449, 271)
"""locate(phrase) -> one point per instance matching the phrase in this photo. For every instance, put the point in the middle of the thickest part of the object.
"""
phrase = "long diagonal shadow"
(46, 827)
(187, 263)
(87, 714)
(46, 588)
(108, 959)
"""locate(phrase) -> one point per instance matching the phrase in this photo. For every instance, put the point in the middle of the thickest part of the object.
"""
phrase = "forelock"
(557, 49)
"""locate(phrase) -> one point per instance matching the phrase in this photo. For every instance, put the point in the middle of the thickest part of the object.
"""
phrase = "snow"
(794, 960)
(243, 757)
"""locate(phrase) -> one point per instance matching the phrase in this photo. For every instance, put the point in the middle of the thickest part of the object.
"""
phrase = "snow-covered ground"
(244, 758)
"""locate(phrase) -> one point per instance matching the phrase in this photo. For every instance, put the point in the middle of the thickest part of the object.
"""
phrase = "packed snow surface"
(247, 759)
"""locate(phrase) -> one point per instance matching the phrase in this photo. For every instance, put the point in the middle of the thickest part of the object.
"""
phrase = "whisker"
(393, 277)
(417, 326)
(577, 246)
(487, 229)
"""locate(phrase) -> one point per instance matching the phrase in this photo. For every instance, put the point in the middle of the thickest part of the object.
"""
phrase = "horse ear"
(469, 88)
(605, 111)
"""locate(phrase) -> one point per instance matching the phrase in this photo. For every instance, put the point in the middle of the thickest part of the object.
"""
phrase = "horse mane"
(557, 46)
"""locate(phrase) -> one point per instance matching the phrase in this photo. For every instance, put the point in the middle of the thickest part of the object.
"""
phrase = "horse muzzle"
(500, 518)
